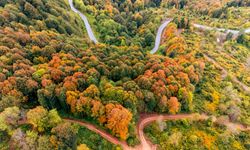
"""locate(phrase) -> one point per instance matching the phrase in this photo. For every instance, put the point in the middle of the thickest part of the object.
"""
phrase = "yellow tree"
(36, 118)
(92, 91)
(82, 147)
(118, 119)
(71, 99)
(170, 32)
(97, 108)
(176, 45)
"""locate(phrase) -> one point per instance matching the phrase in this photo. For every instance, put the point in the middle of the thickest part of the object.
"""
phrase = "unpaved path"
(225, 74)
(101, 132)
(149, 118)
(145, 120)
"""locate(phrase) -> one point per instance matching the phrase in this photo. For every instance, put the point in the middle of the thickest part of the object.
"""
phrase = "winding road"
(159, 34)
(86, 22)
(101, 132)
(146, 119)
(234, 32)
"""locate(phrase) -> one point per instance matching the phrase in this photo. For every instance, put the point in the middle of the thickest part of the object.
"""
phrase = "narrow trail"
(101, 132)
(146, 119)
(225, 74)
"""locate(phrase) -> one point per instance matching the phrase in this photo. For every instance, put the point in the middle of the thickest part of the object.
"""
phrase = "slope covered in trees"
(44, 64)
(123, 22)
(48, 65)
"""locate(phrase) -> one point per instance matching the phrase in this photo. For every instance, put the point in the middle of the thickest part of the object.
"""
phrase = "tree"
(114, 94)
(10, 101)
(18, 140)
(138, 18)
(30, 10)
(31, 86)
(234, 113)
(173, 105)
(92, 91)
(3, 2)
(175, 45)
(52, 23)
(157, 2)
(56, 74)
(53, 118)
(47, 98)
(139, 5)
(9, 119)
(144, 82)
(97, 109)
(149, 99)
(37, 118)
(149, 39)
(31, 139)
(64, 136)
(42, 120)
(82, 147)
(169, 32)
(186, 98)
(163, 105)
(43, 143)
(118, 119)
(137, 69)
(183, 3)
(71, 99)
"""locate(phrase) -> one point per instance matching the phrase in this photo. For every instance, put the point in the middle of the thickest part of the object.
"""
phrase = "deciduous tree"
(118, 119)
(173, 105)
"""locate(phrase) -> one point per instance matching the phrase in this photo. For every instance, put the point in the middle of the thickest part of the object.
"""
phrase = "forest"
(51, 72)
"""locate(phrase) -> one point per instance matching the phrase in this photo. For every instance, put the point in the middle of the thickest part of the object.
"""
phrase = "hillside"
(80, 74)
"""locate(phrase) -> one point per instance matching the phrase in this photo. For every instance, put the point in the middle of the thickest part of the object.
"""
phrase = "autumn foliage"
(45, 60)
(118, 119)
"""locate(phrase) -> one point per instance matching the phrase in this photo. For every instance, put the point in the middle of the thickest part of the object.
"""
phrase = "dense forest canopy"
(50, 70)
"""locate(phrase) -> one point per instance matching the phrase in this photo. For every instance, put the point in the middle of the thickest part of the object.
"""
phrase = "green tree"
(9, 119)
(42, 120)
(65, 136)
(43, 143)
(149, 38)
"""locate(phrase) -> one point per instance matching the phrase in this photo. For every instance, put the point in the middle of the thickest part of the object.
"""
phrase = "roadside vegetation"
(49, 69)
(185, 134)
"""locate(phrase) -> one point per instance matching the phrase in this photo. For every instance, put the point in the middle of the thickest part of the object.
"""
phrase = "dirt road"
(101, 132)
(146, 119)
(225, 74)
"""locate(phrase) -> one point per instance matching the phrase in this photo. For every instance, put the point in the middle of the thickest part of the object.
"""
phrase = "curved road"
(159, 34)
(149, 118)
(86, 22)
(234, 32)
(102, 133)
(146, 119)
(93, 38)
